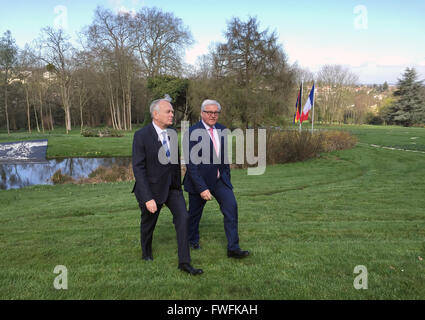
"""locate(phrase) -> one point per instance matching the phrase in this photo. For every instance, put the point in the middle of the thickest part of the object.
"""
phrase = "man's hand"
(151, 206)
(206, 195)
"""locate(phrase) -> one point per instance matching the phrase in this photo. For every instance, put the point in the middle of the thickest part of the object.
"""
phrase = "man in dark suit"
(156, 167)
(211, 177)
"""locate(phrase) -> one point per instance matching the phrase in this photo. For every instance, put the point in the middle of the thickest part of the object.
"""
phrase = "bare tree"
(8, 58)
(82, 81)
(57, 53)
(26, 63)
(109, 38)
(336, 92)
(160, 39)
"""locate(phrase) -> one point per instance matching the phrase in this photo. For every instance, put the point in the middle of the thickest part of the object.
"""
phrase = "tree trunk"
(36, 118)
(65, 101)
(51, 118)
(68, 119)
(41, 109)
(112, 109)
(81, 114)
(28, 109)
(124, 111)
(118, 117)
(5, 104)
(129, 112)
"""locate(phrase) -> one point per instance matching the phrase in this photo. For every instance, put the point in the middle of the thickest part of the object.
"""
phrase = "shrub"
(336, 140)
(418, 125)
(102, 132)
(108, 132)
(292, 146)
(113, 174)
(100, 171)
(99, 175)
(88, 132)
(373, 119)
(59, 178)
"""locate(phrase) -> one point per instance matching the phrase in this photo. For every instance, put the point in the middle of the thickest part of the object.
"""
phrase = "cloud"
(392, 61)
(314, 58)
(200, 48)
(122, 6)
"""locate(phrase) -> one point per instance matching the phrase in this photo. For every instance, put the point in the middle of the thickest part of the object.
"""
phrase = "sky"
(375, 39)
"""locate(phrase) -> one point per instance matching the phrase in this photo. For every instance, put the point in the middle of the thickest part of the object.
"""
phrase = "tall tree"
(57, 53)
(8, 58)
(409, 107)
(385, 86)
(257, 64)
(336, 83)
(109, 38)
(84, 78)
(160, 39)
(26, 63)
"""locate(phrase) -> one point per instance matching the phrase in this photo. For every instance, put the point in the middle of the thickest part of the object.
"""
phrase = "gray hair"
(210, 102)
(155, 104)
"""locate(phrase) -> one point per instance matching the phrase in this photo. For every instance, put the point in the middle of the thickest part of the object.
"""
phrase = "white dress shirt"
(216, 137)
(159, 131)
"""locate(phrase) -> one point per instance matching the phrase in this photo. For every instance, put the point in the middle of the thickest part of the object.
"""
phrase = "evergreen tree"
(410, 105)
(385, 86)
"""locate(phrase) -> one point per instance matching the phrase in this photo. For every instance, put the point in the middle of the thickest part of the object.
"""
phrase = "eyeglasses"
(212, 113)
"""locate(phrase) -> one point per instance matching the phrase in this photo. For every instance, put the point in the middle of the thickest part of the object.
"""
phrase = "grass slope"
(307, 225)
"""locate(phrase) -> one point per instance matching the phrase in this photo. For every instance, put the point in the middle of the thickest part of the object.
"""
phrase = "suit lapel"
(221, 128)
(154, 135)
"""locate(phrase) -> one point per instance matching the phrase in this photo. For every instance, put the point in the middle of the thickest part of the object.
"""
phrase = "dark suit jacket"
(200, 177)
(153, 179)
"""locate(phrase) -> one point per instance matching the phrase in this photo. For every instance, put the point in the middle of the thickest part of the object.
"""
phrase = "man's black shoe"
(189, 269)
(238, 254)
(195, 246)
(147, 258)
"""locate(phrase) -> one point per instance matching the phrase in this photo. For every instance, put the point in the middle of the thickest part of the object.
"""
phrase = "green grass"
(75, 145)
(388, 136)
(307, 226)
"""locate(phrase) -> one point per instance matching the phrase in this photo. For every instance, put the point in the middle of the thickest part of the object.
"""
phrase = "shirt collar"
(207, 126)
(158, 130)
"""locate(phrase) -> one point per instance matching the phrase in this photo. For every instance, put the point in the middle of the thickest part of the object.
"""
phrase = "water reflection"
(19, 175)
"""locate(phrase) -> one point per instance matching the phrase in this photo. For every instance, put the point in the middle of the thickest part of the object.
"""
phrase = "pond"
(23, 174)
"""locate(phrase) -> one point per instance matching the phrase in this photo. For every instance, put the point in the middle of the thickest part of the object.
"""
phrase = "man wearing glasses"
(211, 178)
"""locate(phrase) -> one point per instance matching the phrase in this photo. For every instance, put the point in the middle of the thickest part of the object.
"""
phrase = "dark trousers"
(229, 208)
(175, 202)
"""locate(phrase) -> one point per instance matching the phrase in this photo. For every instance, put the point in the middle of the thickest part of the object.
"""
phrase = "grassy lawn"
(388, 136)
(307, 225)
(74, 144)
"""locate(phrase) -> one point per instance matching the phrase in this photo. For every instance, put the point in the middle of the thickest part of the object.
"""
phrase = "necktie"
(165, 144)
(211, 130)
(213, 139)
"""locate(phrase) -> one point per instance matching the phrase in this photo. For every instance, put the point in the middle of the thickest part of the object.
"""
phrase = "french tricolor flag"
(308, 105)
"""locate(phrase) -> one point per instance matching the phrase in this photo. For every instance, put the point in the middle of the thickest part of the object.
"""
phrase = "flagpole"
(301, 99)
(312, 115)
